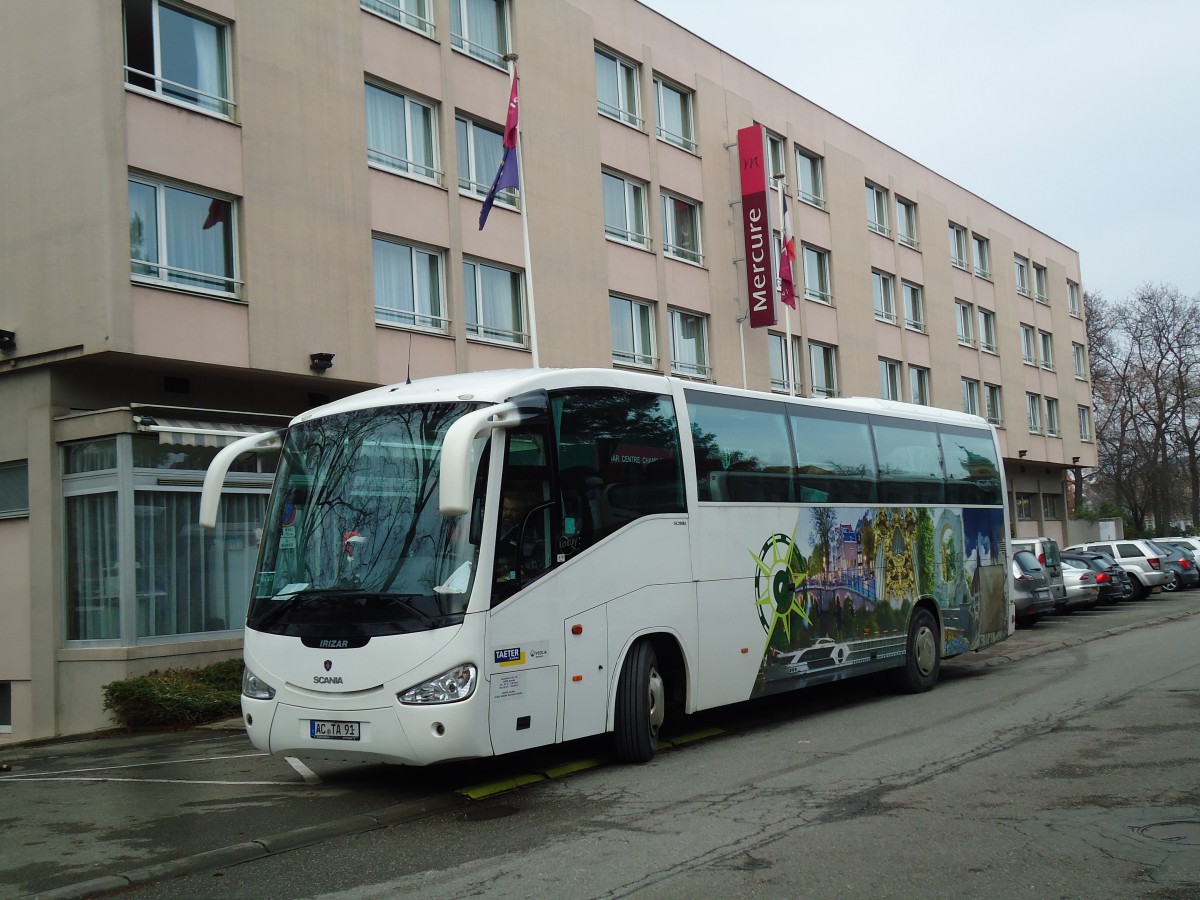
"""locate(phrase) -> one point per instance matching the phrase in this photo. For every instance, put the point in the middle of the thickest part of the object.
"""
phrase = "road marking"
(145, 765)
(140, 780)
(309, 776)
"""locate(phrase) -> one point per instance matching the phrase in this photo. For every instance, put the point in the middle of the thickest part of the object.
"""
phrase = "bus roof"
(500, 385)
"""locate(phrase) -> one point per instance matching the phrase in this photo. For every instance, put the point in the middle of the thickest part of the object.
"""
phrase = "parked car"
(1047, 552)
(1082, 590)
(1031, 587)
(1188, 545)
(1112, 580)
(1141, 559)
(1180, 565)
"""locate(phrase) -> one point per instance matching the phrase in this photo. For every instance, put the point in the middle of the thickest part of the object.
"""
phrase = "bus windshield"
(354, 544)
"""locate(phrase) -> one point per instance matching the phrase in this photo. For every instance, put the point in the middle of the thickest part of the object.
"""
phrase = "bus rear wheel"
(923, 657)
(641, 705)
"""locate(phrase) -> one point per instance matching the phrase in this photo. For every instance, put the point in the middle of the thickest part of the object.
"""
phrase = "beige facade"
(133, 322)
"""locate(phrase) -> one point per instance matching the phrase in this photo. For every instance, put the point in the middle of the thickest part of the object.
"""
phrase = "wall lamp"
(1022, 453)
(8, 341)
(1075, 460)
(320, 362)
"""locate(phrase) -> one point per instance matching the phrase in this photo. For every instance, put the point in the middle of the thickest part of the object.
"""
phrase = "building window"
(1079, 355)
(987, 330)
(177, 55)
(914, 306)
(412, 14)
(617, 88)
(816, 275)
(883, 286)
(1050, 506)
(1033, 407)
(877, 210)
(14, 489)
(181, 238)
(918, 385)
(983, 256)
(689, 344)
(889, 379)
(673, 115)
(480, 150)
(633, 341)
(1039, 284)
(995, 408)
(1085, 424)
(775, 146)
(625, 209)
(1047, 341)
(1021, 275)
(136, 564)
(400, 133)
(964, 324)
(681, 228)
(822, 368)
(1025, 506)
(1028, 354)
(906, 222)
(6, 707)
(480, 28)
(408, 285)
(970, 396)
(958, 246)
(495, 303)
(809, 171)
(1073, 306)
(782, 376)
(1051, 417)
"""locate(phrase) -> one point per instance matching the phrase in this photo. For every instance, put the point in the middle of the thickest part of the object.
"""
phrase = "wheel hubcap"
(926, 650)
(658, 702)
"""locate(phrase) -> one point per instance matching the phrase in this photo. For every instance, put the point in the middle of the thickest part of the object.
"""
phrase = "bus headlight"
(255, 688)
(449, 687)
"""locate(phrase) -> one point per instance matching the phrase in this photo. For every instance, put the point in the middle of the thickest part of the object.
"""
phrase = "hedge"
(177, 697)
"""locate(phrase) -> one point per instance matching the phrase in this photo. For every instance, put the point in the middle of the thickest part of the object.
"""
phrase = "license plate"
(333, 731)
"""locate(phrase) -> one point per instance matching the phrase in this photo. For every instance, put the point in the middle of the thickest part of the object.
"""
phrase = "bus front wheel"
(641, 705)
(923, 658)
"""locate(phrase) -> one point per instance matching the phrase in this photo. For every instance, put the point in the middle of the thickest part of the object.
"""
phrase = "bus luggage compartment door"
(524, 708)
(586, 677)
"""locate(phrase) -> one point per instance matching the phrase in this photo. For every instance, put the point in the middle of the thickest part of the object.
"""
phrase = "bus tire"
(641, 705)
(923, 656)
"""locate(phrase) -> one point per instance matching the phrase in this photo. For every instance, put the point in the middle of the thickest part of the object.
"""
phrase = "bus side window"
(526, 524)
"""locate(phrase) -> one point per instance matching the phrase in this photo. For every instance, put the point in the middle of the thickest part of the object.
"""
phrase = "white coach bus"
(482, 563)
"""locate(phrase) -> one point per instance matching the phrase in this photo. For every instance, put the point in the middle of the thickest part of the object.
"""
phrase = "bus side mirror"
(214, 478)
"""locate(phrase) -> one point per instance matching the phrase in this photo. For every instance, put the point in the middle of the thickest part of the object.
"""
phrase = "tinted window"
(910, 466)
(835, 459)
(743, 452)
(972, 470)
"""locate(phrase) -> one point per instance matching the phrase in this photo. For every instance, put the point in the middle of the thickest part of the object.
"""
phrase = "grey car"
(1031, 587)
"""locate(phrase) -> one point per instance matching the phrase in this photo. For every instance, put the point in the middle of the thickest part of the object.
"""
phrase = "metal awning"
(193, 433)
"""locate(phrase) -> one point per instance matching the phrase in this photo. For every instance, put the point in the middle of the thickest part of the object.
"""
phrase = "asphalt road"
(1061, 763)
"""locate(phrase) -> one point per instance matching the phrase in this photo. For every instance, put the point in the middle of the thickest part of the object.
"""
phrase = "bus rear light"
(449, 687)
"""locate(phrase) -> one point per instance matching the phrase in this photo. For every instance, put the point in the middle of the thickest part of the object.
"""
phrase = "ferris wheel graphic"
(778, 584)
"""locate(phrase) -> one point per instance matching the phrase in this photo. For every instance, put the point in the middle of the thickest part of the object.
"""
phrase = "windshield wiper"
(287, 602)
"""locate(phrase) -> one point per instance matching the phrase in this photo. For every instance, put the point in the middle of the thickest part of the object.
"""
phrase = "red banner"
(756, 224)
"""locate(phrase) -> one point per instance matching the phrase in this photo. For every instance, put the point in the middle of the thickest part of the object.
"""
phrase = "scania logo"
(327, 679)
(328, 664)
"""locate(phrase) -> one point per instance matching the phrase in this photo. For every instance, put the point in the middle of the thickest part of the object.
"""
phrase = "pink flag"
(787, 291)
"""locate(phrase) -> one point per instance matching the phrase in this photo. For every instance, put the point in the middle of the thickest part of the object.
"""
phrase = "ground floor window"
(137, 564)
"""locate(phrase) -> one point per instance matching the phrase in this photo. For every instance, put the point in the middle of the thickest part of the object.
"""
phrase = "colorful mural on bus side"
(834, 597)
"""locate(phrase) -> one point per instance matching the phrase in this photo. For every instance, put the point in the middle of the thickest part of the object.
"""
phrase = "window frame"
(983, 256)
(994, 404)
(1046, 349)
(1040, 284)
(509, 198)
(780, 382)
(914, 305)
(823, 357)
(668, 201)
(906, 223)
(964, 322)
(823, 291)
(395, 11)
(987, 330)
(889, 379)
(958, 246)
(220, 105)
(877, 209)
(462, 41)
(427, 319)
(406, 165)
(701, 368)
(687, 113)
(970, 396)
(642, 329)
(918, 385)
(163, 241)
(1028, 345)
(20, 494)
(630, 189)
(883, 289)
(478, 330)
(1074, 307)
(1021, 275)
(810, 175)
(1052, 423)
(1033, 411)
(1084, 414)
(1079, 359)
(626, 75)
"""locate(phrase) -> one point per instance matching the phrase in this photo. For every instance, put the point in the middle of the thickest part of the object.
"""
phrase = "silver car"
(1082, 589)
(1141, 559)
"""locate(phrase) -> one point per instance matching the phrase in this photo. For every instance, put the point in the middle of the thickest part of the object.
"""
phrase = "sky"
(1079, 117)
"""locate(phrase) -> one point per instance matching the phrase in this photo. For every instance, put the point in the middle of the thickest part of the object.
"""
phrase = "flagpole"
(789, 365)
(530, 311)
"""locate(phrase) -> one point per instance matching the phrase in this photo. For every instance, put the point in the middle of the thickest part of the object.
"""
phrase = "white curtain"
(386, 138)
(93, 584)
(192, 246)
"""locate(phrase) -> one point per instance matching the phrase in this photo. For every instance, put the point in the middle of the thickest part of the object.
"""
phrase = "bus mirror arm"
(458, 454)
(214, 477)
